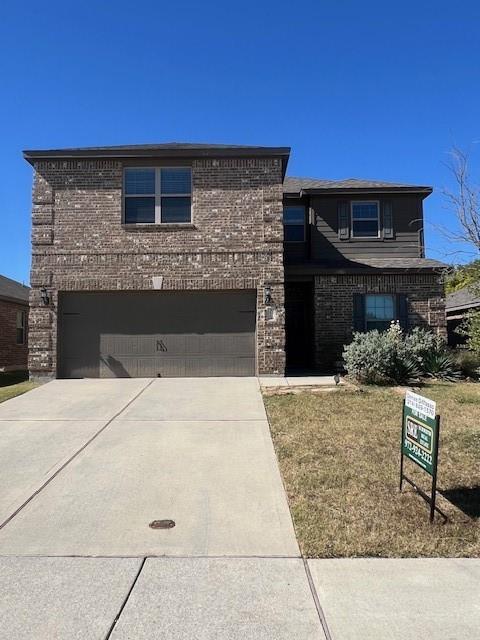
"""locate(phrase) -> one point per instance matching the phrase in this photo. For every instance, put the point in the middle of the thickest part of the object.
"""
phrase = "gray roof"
(296, 186)
(13, 290)
(164, 149)
(402, 263)
(391, 264)
(464, 298)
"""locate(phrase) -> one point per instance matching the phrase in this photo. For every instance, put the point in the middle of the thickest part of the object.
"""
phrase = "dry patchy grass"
(339, 456)
(14, 384)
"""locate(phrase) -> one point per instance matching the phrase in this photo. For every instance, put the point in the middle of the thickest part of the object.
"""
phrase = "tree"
(464, 201)
(461, 276)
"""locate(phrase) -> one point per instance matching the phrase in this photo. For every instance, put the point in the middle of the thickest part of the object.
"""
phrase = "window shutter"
(358, 312)
(343, 220)
(402, 310)
(388, 220)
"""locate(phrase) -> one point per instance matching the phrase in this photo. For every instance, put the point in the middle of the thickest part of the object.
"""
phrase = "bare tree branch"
(464, 202)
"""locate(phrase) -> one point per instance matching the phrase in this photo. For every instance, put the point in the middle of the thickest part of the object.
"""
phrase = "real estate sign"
(420, 431)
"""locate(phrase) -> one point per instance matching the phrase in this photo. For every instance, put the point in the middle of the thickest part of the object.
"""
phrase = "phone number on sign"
(419, 453)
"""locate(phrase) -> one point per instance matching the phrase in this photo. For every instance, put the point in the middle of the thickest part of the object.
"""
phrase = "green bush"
(440, 364)
(380, 358)
(389, 357)
(471, 328)
(467, 362)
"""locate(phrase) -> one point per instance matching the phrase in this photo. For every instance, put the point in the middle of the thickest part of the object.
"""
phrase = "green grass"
(14, 384)
(339, 457)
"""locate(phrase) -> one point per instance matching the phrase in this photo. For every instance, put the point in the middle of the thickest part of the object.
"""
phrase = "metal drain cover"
(162, 524)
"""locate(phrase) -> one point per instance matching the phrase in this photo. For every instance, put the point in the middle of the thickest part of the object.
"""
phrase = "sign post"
(420, 437)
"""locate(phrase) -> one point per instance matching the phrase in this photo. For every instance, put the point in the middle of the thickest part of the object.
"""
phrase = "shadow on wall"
(116, 367)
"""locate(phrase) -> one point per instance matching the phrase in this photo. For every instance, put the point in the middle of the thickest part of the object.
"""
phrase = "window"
(21, 323)
(158, 196)
(365, 220)
(294, 224)
(379, 311)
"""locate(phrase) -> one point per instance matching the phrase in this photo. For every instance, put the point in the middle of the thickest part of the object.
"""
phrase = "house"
(13, 325)
(193, 260)
(458, 305)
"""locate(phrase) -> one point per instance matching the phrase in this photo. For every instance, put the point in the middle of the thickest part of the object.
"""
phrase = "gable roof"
(300, 186)
(464, 298)
(13, 290)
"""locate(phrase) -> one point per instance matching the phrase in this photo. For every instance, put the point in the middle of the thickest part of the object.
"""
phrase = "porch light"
(44, 296)
(268, 295)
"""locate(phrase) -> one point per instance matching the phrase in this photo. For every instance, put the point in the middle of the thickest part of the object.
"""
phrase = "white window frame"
(298, 206)
(377, 218)
(23, 326)
(158, 195)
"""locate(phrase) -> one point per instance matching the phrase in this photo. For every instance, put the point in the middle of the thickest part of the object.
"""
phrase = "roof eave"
(33, 155)
(14, 299)
(425, 191)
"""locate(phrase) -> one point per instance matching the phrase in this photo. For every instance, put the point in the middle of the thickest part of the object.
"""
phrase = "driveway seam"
(316, 600)
(65, 464)
(120, 611)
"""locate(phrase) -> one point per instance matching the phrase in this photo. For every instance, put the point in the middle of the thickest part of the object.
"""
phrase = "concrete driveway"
(103, 459)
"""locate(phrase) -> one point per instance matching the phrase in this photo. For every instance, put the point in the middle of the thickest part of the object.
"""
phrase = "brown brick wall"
(333, 301)
(12, 355)
(234, 242)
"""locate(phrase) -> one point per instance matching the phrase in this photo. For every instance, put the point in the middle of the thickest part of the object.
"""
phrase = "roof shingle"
(292, 185)
(13, 290)
(462, 299)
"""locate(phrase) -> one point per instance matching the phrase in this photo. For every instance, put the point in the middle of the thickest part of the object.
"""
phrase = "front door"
(299, 325)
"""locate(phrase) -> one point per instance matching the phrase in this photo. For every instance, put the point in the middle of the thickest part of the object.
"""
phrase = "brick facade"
(333, 303)
(234, 242)
(13, 356)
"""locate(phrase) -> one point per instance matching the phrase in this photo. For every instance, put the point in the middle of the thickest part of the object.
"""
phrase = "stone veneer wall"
(333, 302)
(234, 242)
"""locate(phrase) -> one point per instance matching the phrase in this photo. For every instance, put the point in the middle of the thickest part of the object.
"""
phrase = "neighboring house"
(458, 305)
(188, 259)
(13, 325)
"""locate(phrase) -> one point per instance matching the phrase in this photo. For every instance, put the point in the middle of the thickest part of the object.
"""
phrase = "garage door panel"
(144, 334)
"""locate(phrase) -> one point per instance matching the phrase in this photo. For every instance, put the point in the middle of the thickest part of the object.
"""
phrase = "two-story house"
(205, 260)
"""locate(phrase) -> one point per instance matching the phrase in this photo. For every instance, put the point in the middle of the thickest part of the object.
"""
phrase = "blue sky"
(365, 89)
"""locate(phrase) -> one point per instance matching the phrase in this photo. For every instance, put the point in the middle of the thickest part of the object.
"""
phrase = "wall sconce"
(44, 296)
(268, 295)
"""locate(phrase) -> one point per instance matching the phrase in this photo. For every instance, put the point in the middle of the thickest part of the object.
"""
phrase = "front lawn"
(339, 456)
(14, 384)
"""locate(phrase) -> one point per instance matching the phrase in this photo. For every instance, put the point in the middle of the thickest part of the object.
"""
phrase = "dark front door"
(299, 325)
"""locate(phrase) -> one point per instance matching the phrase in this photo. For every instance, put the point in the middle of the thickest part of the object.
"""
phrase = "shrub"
(471, 328)
(380, 358)
(390, 357)
(440, 364)
(421, 342)
(467, 362)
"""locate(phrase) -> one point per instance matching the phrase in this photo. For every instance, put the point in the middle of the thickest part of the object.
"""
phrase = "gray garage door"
(167, 334)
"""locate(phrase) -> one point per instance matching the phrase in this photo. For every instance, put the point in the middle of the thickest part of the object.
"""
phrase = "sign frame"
(419, 442)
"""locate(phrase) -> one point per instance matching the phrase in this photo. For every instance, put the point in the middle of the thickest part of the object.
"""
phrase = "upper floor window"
(21, 325)
(365, 219)
(158, 195)
(294, 223)
(379, 311)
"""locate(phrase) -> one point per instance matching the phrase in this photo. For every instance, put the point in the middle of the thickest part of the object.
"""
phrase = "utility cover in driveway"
(157, 333)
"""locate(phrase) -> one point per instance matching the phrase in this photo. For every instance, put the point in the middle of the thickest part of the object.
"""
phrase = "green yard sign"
(420, 436)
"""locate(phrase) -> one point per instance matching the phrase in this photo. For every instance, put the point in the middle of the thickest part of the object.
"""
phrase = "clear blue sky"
(366, 89)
